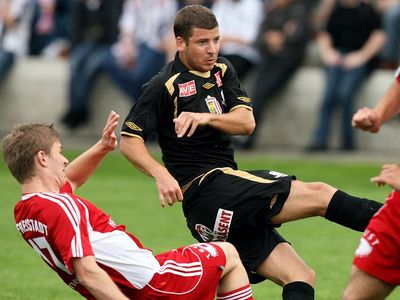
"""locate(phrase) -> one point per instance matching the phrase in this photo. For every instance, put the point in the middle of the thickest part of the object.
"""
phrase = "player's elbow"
(249, 127)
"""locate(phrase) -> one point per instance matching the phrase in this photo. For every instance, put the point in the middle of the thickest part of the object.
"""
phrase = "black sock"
(298, 290)
(351, 212)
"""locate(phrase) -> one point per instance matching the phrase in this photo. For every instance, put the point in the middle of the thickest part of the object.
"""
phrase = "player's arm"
(239, 121)
(371, 119)
(81, 168)
(95, 279)
(134, 149)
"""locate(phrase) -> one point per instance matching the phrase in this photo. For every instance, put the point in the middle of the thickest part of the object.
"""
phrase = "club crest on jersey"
(218, 79)
(187, 89)
(213, 105)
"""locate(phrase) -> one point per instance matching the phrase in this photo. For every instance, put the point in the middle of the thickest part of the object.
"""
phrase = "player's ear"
(180, 44)
(41, 158)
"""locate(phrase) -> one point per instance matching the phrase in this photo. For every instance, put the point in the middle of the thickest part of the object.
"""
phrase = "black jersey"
(174, 90)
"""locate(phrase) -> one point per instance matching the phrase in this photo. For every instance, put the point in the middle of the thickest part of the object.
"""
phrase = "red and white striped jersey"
(62, 226)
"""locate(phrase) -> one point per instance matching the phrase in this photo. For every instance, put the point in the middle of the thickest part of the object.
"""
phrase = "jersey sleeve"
(234, 94)
(68, 228)
(145, 115)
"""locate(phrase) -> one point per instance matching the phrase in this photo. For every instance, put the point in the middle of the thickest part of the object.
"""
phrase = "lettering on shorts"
(221, 227)
(367, 243)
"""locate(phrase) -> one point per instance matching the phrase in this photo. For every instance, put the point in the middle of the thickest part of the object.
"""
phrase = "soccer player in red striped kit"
(94, 256)
(376, 266)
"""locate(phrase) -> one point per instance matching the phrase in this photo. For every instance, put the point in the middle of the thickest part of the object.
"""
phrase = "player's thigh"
(284, 265)
(305, 200)
(364, 286)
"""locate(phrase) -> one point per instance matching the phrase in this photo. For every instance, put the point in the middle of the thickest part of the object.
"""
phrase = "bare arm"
(371, 119)
(81, 168)
(96, 280)
(134, 149)
(238, 121)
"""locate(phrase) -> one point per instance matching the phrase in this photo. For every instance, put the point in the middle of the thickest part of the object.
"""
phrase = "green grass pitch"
(131, 198)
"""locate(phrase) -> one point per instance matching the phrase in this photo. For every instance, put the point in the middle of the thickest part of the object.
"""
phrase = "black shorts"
(237, 206)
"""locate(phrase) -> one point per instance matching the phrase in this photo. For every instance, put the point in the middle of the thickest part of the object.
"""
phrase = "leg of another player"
(286, 268)
(320, 199)
(234, 283)
(366, 287)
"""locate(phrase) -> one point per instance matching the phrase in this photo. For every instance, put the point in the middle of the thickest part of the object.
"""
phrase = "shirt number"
(39, 244)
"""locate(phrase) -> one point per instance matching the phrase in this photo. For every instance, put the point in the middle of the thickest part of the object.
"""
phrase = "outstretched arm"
(81, 168)
(134, 149)
(96, 280)
(371, 119)
(238, 121)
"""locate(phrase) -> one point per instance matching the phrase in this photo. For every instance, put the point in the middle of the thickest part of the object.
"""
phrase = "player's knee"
(306, 274)
(231, 254)
(349, 294)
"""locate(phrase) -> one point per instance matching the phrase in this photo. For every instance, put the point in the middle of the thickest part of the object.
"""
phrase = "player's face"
(57, 163)
(201, 51)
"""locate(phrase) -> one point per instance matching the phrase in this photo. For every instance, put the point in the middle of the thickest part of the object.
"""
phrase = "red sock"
(243, 293)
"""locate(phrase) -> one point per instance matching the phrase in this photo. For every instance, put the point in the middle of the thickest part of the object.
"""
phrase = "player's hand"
(390, 175)
(187, 122)
(109, 140)
(168, 189)
(366, 119)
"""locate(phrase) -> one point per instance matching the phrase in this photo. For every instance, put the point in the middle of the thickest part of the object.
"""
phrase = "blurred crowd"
(130, 40)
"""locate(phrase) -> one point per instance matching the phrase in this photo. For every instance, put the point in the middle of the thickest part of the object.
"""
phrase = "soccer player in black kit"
(195, 104)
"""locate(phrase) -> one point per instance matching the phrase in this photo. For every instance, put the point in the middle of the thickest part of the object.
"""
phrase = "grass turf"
(131, 198)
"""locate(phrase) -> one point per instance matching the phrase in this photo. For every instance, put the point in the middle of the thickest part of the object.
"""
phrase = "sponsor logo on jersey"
(213, 105)
(221, 227)
(245, 99)
(133, 126)
(208, 85)
(218, 79)
(187, 89)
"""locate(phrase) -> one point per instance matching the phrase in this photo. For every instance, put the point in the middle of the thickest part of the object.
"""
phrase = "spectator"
(51, 28)
(349, 46)
(92, 255)
(144, 43)
(15, 19)
(390, 11)
(282, 42)
(94, 30)
(238, 37)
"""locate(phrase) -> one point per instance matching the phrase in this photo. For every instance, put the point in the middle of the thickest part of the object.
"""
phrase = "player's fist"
(366, 119)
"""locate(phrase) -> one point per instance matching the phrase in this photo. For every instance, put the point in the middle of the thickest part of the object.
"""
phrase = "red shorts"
(191, 272)
(379, 251)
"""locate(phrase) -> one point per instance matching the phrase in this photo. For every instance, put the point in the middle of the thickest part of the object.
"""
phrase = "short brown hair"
(193, 16)
(22, 144)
